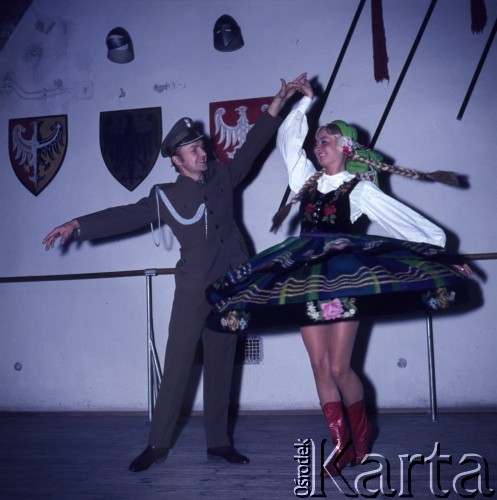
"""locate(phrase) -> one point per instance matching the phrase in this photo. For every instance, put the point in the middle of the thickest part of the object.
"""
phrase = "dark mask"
(227, 34)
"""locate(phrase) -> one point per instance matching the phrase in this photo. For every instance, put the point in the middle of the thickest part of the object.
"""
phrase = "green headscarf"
(364, 169)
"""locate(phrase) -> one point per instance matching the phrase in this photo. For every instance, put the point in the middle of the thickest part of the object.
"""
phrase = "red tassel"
(478, 16)
(380, 56)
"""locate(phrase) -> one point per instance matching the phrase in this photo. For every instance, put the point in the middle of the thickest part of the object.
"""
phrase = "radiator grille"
(249, 350)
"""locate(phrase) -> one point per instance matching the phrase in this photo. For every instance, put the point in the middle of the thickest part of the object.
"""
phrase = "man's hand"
(63, 232)
(304, 86)
(286, 91)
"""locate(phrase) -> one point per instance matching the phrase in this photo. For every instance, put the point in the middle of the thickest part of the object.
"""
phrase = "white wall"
(81, 344)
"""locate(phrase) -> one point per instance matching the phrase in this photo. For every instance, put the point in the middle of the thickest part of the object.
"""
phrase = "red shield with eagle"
(230, 122)
(37, 147)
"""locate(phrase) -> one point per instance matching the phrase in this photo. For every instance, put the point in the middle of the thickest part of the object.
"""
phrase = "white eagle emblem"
(29, 151)
(233, 136)
(37, 148)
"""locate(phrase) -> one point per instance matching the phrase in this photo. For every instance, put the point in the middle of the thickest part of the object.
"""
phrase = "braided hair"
(358, 155)
(442, 176)
(364, 163)
(283, 212)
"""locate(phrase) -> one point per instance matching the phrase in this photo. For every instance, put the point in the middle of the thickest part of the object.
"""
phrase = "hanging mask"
(120, 46)
(227, 34)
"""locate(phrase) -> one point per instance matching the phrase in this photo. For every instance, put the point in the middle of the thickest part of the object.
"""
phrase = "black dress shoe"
(227, 453)
(150, 455)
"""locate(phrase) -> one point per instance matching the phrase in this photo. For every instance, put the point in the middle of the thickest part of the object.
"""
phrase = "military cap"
(182, 133)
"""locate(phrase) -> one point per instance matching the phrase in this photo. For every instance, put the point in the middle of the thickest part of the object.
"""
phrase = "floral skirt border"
(313, 312)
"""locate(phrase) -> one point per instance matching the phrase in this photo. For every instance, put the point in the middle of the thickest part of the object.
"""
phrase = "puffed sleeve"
(397, 219)
(289, 141)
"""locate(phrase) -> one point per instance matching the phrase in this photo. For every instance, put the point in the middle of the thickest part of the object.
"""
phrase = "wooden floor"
(67, 456)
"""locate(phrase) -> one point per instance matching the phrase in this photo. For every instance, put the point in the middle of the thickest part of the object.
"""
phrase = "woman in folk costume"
(328, 277)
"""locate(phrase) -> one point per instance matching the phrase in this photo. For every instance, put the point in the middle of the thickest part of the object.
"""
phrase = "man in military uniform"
(198, 207)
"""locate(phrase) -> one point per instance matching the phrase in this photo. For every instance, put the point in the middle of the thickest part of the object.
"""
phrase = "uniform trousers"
(189, 312)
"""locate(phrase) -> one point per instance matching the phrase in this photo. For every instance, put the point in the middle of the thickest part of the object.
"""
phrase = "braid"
(438, 176)
(310, 182)
(283, 212)
(385, 167)
(444, 177)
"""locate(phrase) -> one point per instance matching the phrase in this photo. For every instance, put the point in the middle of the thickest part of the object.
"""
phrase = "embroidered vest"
(327, 213)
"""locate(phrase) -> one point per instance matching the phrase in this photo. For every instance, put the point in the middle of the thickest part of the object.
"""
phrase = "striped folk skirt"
(321, 278)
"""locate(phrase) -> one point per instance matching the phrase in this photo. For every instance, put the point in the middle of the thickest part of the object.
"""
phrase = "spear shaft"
(403, 73)
(319, 109)
(477, 71)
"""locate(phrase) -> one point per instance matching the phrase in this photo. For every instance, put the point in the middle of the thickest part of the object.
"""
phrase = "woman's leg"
(330, 350)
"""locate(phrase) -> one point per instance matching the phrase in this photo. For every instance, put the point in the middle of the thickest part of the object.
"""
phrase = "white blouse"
(394, 217)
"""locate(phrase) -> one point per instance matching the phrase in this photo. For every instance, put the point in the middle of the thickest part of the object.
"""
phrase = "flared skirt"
(320, 278)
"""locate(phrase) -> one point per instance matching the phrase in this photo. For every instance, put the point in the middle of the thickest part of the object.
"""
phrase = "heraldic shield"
(230, 122)
(37, 147)
(130, 143)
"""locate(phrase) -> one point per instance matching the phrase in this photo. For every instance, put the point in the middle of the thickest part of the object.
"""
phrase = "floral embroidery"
(235, 276)
(337, 244)
(326, 310)
(431, 250)
(345, 144)
(312, 312)
(329, 210)
(332, 310)
(308, 210)
(373, 244)
(234, 321)
(441, 298)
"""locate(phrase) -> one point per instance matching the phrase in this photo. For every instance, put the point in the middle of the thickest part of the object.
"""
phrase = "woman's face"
(327, 153)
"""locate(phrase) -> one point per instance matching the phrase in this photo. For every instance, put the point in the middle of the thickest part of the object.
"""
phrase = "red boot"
(362, 430)
(335, 417)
